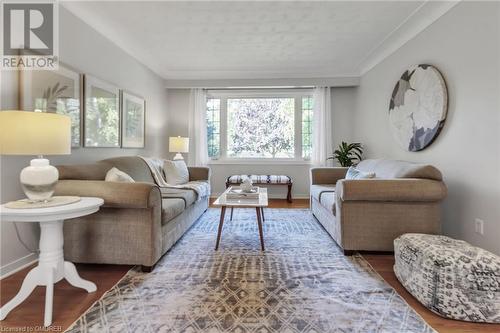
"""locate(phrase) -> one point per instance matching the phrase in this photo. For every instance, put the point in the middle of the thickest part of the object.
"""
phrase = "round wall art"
(418, 107)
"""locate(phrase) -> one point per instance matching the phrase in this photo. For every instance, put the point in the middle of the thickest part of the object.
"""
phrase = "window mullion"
(298, 127)
(223, 127)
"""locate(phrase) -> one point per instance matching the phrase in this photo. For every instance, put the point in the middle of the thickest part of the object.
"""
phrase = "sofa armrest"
(199, 173)
(115, 194)
(327, 175)
(403, 189)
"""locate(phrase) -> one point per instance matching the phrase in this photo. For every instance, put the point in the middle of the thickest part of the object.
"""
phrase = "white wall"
(464, 45)
(343, 103)
(84, 49)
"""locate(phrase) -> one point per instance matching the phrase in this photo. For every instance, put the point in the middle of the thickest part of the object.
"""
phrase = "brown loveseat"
(368, 214)
(138, 223)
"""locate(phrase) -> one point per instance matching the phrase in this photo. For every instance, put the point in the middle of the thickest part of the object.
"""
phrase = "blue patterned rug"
(301, 283)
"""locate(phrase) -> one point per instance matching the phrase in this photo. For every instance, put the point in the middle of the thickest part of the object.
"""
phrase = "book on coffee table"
(237, 193)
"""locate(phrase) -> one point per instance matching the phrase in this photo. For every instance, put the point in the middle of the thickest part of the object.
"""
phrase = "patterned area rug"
(302, 283)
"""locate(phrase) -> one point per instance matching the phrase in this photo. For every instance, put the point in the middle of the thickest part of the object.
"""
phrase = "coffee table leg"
(259, 223)
(221, 222)
(231, 218)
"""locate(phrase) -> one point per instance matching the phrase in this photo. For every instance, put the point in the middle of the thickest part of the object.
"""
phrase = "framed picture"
(57, 91)
(101, 124)
(133, 120)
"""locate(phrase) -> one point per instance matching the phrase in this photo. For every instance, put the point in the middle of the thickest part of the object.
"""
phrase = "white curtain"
(198, 150)
(322, 126)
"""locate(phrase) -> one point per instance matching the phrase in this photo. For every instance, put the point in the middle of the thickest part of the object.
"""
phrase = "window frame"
(296, 93)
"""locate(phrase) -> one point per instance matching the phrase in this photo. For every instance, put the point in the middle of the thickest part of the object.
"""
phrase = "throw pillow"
(116, 175)
(176, 172)
(353, 173)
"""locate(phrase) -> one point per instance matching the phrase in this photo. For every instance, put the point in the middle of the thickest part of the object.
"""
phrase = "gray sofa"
(138, 223)
(368, 214)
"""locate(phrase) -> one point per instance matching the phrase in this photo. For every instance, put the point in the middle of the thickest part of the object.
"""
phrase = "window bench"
(263, 180)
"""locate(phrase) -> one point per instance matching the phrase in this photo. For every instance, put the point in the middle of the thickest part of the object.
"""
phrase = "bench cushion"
(260, 179)
(450, 277)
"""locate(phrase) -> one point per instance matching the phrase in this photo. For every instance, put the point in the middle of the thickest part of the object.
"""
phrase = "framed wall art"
(418, 107)
(101, 113)
(57, 91)
(133, 120)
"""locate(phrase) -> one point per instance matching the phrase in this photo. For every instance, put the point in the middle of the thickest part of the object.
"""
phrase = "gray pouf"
(450, 277)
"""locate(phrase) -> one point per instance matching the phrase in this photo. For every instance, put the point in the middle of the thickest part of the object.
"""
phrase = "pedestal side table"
(51, 265)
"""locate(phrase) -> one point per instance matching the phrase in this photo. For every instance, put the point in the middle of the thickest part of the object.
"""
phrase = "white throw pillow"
(116, 175)
(353, 173)
(176, 172)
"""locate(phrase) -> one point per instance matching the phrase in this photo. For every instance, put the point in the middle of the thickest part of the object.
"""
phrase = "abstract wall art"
(418, 107)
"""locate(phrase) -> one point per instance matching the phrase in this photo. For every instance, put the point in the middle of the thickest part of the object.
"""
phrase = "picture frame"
(102, 120)
(133, 108)
(58, 91)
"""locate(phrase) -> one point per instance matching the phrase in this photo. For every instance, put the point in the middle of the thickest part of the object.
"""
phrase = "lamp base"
(178, 156)
(39, 180)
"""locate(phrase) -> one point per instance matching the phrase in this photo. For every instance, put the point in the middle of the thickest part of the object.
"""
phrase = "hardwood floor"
(70, 302)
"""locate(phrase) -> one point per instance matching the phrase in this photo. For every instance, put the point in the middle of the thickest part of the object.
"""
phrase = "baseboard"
(17, 265)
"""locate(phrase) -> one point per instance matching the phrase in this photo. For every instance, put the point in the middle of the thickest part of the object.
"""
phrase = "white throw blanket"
(201, 188)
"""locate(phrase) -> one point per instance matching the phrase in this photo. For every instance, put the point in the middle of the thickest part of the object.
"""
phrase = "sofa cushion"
(399, 169)
(328, 201)
(116, 175)
(171, 208)
(134, 166)
(96, 171)
(176, 172)
(317, 191)
(187, 195)
(353, 173)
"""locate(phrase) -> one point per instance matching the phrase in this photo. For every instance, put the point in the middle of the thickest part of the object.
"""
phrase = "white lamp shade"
(177, 144)
(34, 133)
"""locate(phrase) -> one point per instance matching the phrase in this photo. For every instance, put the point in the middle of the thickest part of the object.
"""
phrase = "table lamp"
(36, 133)
(177, 144)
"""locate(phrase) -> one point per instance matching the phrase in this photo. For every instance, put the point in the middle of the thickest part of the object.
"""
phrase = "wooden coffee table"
(258, 204)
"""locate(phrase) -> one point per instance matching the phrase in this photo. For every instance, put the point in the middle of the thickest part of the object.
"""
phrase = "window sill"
(242, 161)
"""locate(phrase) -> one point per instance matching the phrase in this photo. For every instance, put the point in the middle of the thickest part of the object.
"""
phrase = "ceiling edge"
(347, 81)
(426, 14)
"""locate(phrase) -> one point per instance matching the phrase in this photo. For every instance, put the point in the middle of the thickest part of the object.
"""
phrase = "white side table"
(51, 265)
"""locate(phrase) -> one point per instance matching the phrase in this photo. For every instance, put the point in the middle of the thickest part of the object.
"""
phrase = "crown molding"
(346, 81)
(426, 14)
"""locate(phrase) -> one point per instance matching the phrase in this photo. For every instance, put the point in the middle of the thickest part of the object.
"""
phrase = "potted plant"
(347, 154)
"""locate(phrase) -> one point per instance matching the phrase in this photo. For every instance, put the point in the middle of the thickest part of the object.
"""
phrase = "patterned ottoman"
(450, 277)
(264, 180)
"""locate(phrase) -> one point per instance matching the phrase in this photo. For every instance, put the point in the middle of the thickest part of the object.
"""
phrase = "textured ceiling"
(217, 40)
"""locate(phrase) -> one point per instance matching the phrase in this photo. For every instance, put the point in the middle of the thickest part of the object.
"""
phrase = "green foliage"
(348, 154)
(261, 127)
(102, 122)
(133, 119)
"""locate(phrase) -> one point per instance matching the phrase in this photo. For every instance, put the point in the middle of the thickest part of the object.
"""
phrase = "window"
(259, 124)
(307, 112)
(213, 127)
